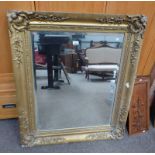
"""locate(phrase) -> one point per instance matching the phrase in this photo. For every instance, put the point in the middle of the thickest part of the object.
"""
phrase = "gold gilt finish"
(20, 26)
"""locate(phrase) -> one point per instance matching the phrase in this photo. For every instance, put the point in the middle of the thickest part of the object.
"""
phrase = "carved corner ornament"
(136, 24)
(20, 20)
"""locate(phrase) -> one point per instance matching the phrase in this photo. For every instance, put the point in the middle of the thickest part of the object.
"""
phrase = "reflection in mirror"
(75, 78)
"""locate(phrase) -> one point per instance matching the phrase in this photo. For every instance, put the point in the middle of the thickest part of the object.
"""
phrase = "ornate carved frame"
(20, 26)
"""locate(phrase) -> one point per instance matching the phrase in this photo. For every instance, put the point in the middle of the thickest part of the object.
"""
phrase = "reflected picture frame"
(22, 23)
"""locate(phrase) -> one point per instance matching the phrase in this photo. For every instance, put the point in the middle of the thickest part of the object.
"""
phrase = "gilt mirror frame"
(22, 23)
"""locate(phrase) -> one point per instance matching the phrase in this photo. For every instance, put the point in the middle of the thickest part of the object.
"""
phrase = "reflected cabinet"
(74, 74)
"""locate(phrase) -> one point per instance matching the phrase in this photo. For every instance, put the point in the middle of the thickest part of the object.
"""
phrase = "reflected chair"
(103, 62)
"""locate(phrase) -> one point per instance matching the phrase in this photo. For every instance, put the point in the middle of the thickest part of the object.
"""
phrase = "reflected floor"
(83, 103)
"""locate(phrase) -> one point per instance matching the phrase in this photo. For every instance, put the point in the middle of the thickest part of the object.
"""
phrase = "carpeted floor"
(9, 142)
(80, 104)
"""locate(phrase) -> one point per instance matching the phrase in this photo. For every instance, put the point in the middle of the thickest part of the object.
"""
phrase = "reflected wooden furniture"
(69, 60)
(102, 70)
(138, 118)
(51, 46)
(103, 61)
(103, 55)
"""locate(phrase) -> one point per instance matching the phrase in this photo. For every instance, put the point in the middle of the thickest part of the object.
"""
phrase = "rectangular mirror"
(74, 74)
(75, 78)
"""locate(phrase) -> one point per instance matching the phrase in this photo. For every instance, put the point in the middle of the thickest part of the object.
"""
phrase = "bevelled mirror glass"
(74, 74)
(75, 78)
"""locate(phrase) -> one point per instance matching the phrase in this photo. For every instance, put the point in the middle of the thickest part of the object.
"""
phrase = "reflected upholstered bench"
(102, 70)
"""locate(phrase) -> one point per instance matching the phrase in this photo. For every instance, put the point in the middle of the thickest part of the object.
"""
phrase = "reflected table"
(51, 45)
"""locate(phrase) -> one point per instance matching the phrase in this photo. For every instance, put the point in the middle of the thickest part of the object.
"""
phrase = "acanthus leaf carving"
(49, 17)
(136, 24)
(123, 113)
(49, 140)
(29, 139)
(95, 136)
(17, 47)
(118, 132)
(134, 50)
(20, 20)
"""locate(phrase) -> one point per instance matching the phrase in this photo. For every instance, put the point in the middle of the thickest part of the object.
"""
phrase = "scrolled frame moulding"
(21, 24)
